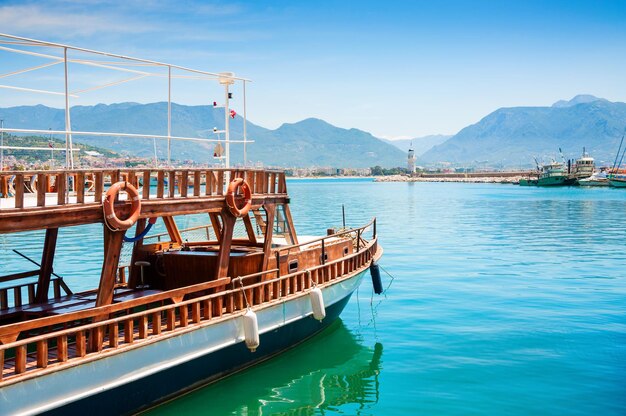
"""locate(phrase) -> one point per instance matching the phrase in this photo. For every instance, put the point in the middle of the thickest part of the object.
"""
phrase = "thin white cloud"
(33, 19)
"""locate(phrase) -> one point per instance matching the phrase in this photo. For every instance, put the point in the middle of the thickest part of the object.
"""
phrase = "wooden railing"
(124, 331)
(18, 294)
(356, 234)
(64, 187)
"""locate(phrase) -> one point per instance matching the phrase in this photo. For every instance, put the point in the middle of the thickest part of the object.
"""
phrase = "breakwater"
(474, 177)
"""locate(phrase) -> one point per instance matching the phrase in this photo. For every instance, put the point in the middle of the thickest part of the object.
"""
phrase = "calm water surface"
(505, 300)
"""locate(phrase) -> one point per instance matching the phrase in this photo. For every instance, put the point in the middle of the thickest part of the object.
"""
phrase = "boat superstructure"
(181, 311)
(583, 167)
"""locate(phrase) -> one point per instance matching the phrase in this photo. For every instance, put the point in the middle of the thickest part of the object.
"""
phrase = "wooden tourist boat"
(183, 311)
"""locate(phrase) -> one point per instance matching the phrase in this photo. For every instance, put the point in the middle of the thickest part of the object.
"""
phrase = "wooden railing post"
(42, 188)
(156, 323)
(61, 186)
(20, 359)
(42, 353)
(196, 183)
(160, 183)
(19, 190)
(171, 183)
(146, 185)
(183, 183)
(220, 182)
(129, 330)
(62, 348)
(98, 187)
(143, 327)
(81, 344)
(195, 312)
(79, 186)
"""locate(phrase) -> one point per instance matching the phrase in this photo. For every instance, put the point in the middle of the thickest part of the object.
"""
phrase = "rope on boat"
(388, 274)
(145, 231)
(250, 323)
(245, 298)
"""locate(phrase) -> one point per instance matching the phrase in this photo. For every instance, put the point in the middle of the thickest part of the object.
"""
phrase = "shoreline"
(328, 177)
(476, 179)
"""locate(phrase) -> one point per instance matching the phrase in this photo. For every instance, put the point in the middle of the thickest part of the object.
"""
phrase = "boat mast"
(226, 79)
(169, 117)
(618, 150)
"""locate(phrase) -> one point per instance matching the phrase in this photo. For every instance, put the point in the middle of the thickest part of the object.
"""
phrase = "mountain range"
(310, 142)
(514, 136)
(508, 137)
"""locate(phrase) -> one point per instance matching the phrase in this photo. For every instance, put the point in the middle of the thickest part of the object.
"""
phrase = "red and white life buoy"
(247, 197)
(109, 209)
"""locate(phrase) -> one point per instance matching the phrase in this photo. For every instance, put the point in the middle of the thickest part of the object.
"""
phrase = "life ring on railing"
(90, 182)
(230, 197)
(110, 217)
(11, 186)
(34, 181)
(32, 184)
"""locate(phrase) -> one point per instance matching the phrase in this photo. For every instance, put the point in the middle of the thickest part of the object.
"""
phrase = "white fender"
(317, 303)
(251, 330)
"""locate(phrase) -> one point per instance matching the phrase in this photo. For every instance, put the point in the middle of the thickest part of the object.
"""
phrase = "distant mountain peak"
(306, 143)
(579, 99)
(307, 122)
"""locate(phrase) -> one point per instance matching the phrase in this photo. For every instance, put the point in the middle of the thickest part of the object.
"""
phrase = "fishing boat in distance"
(617, 179)
(582, 168)
(550, 174)
(617, 176)
(190, 307)
(596, 179)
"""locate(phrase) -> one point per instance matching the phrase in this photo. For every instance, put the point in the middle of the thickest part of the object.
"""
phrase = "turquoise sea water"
(505, 300)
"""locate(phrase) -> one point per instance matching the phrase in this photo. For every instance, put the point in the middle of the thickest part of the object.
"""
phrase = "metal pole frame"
(245, 149)
(169, 116)
(69, 158)
(226, 127)
(69, 154)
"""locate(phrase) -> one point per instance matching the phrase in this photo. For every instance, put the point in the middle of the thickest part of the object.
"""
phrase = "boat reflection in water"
(332, 371)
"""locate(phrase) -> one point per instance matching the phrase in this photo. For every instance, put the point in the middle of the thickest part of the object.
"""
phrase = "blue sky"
(393, 68)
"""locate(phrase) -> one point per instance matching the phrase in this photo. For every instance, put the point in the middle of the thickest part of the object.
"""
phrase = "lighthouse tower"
(411, 160)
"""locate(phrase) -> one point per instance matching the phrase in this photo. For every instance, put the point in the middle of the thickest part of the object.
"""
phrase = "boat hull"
(553, 181)
(139, 378)
(528, 182)
(548, 181)
(617, 183)
(593, 183)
